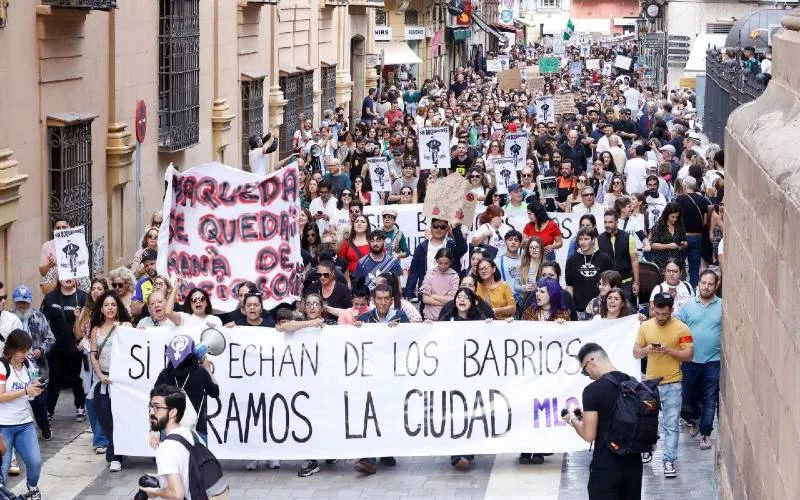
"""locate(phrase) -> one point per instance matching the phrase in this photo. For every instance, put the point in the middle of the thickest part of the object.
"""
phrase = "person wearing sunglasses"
(425, 254)
(122, 282)
(198, 305)
(611, 475)
(149, 241)
(396, 241)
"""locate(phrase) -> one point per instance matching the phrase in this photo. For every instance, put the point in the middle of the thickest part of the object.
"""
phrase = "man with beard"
(61, 307)
(166, 409)
(377, 262)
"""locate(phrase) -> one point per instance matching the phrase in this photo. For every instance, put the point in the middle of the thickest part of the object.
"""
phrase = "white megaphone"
(212, 342)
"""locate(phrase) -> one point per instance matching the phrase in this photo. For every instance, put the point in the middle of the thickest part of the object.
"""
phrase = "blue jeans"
(23, 438)
(670, 413)
(98, 438)
(701, 393)
(693, 254)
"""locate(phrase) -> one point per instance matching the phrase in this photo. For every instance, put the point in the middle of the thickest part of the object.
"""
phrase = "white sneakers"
(115, 466)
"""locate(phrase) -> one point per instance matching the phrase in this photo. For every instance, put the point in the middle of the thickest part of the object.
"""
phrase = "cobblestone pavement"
(429, 478)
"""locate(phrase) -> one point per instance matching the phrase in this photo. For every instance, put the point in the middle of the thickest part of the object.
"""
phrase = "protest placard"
(505, 173)
(623, 62)
(509, 80)
(549, 65)
(516, 148)
(549, 187)
(72, 254)
(448, 198)
(505, 61)
(536, 83)
(446, 388)
(565, 103)
(379, 174)
(227, 226)
(434, 147)
(493, 65)
(545, 109)
(593, 64)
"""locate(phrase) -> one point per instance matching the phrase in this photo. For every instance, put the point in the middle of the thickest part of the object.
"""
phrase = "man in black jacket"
(621, 247)
(61, 307)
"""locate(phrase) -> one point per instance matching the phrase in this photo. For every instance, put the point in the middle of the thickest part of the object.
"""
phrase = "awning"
(505, 27)
(488, 29)
(397, 53)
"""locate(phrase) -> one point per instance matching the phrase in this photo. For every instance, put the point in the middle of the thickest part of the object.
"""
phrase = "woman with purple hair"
(548, 303)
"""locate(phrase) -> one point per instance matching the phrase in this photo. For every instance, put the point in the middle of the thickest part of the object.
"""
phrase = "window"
(178, 74)
(719, 28)
(328, 85)
(380, 17)
(298, 90)
(411, 17)
(549, 4)
(252, 89)
(82, 4)
(70, 170)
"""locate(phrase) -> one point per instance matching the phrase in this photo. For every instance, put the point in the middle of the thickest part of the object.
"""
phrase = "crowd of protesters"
(648, 192)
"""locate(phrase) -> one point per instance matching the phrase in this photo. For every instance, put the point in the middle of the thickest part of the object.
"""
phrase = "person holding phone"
(18, 386)
(665, 341)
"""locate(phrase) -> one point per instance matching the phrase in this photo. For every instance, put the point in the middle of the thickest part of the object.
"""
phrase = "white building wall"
(690, 17)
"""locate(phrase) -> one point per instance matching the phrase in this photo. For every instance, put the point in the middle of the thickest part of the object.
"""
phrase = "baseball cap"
(663, 299)
(22, 294)
(667, 147)
(513, 187)
(179, 348)
(149, 254)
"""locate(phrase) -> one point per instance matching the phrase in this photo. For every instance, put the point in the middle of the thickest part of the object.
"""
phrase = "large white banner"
(72, 255)
(347, 392)
(223, 226)
(434, 147)
(517, 148)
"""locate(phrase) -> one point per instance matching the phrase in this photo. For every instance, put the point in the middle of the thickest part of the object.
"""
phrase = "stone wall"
(759, 445)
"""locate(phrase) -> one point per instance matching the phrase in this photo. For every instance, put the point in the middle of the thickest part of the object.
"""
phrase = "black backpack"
(634, 426)
(205, 471)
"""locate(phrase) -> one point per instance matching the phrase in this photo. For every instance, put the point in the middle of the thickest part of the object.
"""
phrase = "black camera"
(577, 412)
(146, 481)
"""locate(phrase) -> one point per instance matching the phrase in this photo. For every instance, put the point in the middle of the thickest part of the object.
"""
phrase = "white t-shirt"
(635, 175)
(683, 292)
(16, 411)
(173, 458)
(258, 164)
(329, 209)
(432, 249)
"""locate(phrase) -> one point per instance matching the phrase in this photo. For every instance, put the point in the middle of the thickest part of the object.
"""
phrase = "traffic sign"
(141, 121)
(679, 37)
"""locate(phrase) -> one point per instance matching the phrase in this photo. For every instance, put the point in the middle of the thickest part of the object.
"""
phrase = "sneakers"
(705, 442)
(34, 494)
(308, 469)
(525, 458)
(80, 414)
(462, 463)
(13, 469)
(274, 464)
(254, 464)
(365, 466)
(694, 429)
(669, 469)
(537, 459)
(388, 461)
(50, 418)
(100, 450)
(115, 466)
(647, 457)
(47, 434)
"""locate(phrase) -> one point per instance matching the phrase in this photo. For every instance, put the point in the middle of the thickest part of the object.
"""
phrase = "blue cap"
(22, 294)
(513, 187)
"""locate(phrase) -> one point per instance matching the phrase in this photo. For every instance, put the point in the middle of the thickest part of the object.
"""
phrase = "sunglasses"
(583, 368)
(475, 176)
(388, 216)
(3, 297)
(198, 299)
(117, 285)
(587, 194)
(527, 175)
(344, 193)
(323, 275)
(439, 226)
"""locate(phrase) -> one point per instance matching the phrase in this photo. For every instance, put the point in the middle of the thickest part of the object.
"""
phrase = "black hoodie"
(197, 386)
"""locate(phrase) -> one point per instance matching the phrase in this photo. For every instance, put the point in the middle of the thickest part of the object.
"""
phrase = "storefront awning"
(488, 28)
(397, 53)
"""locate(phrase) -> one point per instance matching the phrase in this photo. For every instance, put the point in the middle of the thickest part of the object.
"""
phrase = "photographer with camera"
(17, 388)
(612, 475)
(186, 469)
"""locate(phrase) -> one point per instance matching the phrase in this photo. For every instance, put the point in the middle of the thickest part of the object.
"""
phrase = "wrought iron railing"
(83, 4)
(252, 113)
(728, 86)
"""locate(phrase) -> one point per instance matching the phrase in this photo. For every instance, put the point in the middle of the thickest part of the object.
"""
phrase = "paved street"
(73, 471)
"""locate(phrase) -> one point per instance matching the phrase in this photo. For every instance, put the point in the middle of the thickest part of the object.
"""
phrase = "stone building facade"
(210, 72)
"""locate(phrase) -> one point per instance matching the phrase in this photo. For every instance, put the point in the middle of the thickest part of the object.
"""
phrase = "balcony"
(105, 5)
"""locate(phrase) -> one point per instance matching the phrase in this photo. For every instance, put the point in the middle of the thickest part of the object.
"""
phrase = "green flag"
(569, 30)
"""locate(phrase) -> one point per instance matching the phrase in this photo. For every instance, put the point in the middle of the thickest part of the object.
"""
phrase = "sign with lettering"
(593, 64)
(227, 226)
(549, 65)
(383, 33)
(72, 254)
(415, 33)
(565, 103)
(434, 147)
(418, 389)
(493, 65)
